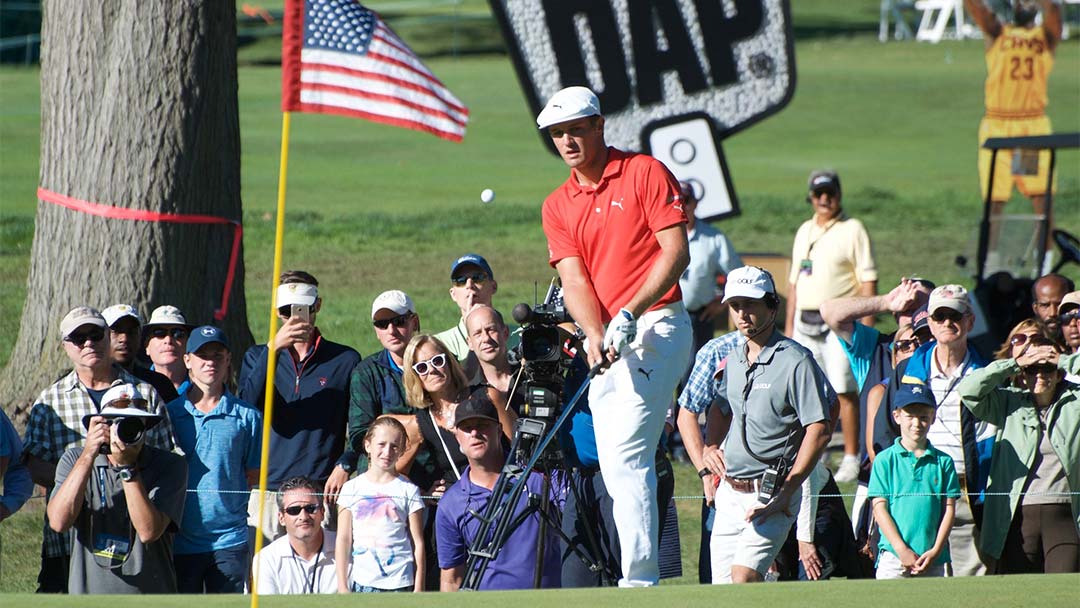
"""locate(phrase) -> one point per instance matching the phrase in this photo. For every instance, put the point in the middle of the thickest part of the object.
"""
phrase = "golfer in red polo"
(616, 233)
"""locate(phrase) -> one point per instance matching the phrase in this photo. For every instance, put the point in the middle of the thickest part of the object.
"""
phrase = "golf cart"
(1012, 248)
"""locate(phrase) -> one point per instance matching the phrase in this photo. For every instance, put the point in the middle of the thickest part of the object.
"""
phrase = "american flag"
(340, 58)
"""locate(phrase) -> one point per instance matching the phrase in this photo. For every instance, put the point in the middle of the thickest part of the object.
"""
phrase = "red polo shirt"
(613, 226)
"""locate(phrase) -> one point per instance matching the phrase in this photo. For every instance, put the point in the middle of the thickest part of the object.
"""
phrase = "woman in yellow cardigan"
(1032, 509)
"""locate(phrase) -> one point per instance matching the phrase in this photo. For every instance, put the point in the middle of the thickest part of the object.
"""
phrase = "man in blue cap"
(221, 438)
(471, 282)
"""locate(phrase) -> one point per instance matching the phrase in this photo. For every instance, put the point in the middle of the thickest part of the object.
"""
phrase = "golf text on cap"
(748, 282)
(296, 293)
(394, 300)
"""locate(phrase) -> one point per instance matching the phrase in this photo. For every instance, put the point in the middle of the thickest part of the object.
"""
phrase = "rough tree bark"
(138, 110)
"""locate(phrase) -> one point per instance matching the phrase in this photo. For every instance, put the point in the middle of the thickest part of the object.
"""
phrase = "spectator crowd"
(380, 467)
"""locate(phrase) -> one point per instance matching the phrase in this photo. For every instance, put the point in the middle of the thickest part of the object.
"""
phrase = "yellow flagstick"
(271, 355)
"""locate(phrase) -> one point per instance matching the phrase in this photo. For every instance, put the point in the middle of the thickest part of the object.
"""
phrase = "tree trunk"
(138, 111)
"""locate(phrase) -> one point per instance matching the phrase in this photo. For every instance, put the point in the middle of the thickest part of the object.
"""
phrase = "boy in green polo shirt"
(914, 488)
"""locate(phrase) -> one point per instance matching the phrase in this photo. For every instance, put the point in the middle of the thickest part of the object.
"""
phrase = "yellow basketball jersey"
(1018, 66)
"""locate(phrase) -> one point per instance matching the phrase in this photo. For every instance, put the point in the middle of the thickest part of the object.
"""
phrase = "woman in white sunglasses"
(435, 384)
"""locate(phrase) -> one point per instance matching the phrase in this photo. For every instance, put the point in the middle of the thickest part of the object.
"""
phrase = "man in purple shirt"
(476, 424)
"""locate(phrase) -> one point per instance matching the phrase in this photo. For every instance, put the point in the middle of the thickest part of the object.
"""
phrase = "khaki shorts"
(1028, 185)
(738, 543)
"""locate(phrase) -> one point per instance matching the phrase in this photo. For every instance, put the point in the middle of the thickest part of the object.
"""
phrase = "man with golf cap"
(471, 282)
(616, 233)
(55, 423)
(221, 437)
(831, 258)
(777, 403)
(941, 365)
(311, 395)
(478, 431)
(165, 338)
(123, 498)
(376, 388)
(125, 333)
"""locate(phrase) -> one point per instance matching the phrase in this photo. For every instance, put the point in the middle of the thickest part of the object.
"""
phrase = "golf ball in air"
(487, 195)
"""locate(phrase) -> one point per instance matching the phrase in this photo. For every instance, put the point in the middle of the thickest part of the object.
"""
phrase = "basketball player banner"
(674, 77)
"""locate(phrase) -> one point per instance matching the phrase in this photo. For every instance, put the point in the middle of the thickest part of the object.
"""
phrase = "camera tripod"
(532, 446)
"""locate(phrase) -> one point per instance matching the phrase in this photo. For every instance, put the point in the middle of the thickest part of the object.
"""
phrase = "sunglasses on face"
(942, 315)
(177, 333)
(823, 191)
(478, 278)
(1045, 369)
(310, 508)
(424, 367)
(906, 345)
(1035, 339)
(79, 338)
(398, 321)
(1069, 317)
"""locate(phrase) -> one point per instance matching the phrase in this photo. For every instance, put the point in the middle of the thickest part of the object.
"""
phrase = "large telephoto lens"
(130, 430)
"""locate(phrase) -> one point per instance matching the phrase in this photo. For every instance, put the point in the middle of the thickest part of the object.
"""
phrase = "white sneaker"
(848, 470)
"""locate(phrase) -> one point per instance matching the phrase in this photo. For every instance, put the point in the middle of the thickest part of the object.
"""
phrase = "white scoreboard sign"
(674, 77)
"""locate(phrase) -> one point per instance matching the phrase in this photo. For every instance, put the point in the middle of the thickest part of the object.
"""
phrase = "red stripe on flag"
(333, 88)
(397, 82)
(380, 118)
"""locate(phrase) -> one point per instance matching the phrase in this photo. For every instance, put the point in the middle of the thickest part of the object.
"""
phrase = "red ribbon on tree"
(120, 213)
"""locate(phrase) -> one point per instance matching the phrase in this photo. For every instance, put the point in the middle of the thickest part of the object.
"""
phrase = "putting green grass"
(986, 592)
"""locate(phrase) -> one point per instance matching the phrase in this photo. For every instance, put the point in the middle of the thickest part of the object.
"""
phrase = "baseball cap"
(207, 334)
(1070, 301)
(823, 179)
(124, 401)
(116, 312)
(748, 282)
(79, 316)
(475, 260)
(921, 319)
(949, 296)
(167, 315)
(911, 394)
(570, 103)
(296, 293)
(476, 405)
(394, 300)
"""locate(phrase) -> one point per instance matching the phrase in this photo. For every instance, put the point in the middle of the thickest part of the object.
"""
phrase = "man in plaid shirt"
(55, 423)
(701, 390)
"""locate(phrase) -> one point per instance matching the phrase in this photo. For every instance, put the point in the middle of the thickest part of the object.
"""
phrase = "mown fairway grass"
(371, 207)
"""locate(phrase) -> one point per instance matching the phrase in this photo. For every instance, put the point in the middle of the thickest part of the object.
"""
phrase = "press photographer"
(123, 498)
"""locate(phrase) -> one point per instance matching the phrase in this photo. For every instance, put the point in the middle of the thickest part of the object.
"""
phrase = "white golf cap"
(79, 316)
(168, 315)
(296, 293)
(116, 312)
(954, 297)
(393, 300)
(748, 282)
(568, 104)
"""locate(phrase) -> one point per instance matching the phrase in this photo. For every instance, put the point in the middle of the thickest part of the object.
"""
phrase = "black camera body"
(129, 429)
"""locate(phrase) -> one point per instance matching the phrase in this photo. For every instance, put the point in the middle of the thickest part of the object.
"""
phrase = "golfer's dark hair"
(297, 483)
(297, 276)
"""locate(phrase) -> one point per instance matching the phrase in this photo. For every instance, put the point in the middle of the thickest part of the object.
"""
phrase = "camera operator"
(123, 499)
(616, 233)
(778, 400)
